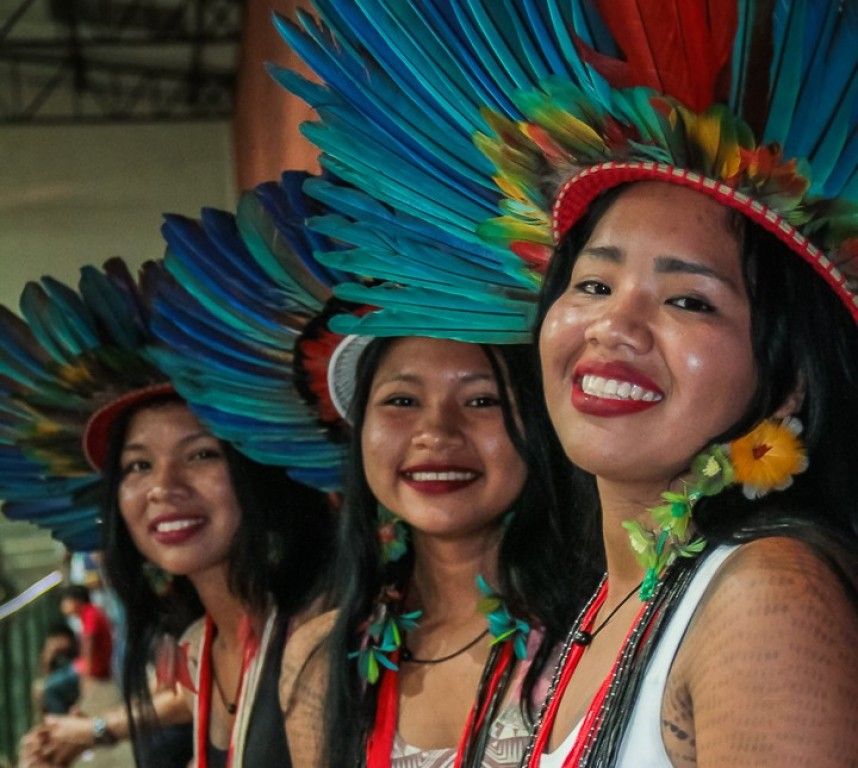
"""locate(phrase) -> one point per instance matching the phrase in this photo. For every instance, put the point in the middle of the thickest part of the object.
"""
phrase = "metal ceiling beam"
(80, 75)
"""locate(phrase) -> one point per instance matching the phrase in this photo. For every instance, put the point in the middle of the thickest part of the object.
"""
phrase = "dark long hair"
(278, 553)
(801, 336)
(535, 550)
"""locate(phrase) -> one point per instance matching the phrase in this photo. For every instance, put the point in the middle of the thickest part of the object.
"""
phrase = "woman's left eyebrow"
(195, 436)
(469, 377)
(673, 264)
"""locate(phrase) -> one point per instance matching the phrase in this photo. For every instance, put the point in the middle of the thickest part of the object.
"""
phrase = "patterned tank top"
(505, 747)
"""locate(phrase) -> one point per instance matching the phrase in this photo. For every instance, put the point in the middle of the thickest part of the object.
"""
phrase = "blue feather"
(843, 179)
(56, 324)
(786, 71)
(489, 40)
(537, 14)
(19, 348)
(114, 309)
(741, 56)
(359, 206)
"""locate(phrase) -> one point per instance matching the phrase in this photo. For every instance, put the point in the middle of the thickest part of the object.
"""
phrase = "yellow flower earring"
(767, 458)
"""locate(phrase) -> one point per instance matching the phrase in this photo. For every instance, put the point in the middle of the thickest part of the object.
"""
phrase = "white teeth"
(612, 389)
(426, 477)
(177, 525)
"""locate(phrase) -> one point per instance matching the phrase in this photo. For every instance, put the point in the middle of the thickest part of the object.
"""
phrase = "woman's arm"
(62, 738)
(768, 673)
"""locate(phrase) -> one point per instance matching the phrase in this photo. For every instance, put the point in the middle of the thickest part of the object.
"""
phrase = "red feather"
(533, 254)
(315, 348)
(680, 47)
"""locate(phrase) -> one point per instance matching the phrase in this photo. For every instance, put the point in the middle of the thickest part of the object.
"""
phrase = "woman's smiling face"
(647, 356)
(176, 494)
(435, 448)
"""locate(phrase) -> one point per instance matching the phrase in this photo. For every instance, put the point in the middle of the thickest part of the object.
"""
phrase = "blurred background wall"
(76, 194)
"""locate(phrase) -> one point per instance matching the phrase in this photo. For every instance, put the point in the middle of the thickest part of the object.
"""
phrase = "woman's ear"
(794, 401)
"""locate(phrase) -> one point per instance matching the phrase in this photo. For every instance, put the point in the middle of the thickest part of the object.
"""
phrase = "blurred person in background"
(94, 630)
(58, 691)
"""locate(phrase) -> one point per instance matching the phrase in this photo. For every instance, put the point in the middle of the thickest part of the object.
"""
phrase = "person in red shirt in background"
(96, 641)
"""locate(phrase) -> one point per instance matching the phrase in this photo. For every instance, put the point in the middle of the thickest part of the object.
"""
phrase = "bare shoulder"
(308, 635)
(313, 618)
(767, 670)
(773, 581)
(303, 688)
(302, 656)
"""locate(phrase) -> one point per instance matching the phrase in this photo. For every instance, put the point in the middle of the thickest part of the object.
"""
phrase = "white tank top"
(642, 746)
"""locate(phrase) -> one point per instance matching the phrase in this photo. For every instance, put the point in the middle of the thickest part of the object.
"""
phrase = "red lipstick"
(174, 534)
(607, 406)
(437, 479)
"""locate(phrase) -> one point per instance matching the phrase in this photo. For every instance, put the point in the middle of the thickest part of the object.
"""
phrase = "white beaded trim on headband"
(342, 372)
(568, 208)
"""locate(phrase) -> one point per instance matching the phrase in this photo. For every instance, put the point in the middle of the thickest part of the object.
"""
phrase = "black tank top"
(265, 742)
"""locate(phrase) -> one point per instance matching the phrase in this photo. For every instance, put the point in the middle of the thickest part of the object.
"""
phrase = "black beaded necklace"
(406, 656)
(582, 637)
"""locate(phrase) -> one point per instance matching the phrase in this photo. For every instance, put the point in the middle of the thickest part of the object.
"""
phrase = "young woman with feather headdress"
(682, 341)
(191, 527)
(450, 488)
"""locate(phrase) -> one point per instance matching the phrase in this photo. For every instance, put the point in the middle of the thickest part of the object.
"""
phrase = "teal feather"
(843, 179)
(378, 226)
(211, 300)
(422, 65)
(418, 265)
(229, 348)
(563, 25)
(376, 100)
(509, 308)
(537, 25)
(48, 323)
(525, 38)
(458, 327)
(357, 204)
(73, 351)
(21, 357)
(277, 256)
(742, 60)
(828, 155)
(825, 113)
(788, 27)
(213, 242)
(202, 333)
(109, 303)
(75, 329)
(489, 45)
(422, 52)
(588, 28)
(435, 202)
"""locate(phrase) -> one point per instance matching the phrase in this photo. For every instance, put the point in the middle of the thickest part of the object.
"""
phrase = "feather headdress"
(225, 321)
(71, 354)
(236, 317)
(460, 115)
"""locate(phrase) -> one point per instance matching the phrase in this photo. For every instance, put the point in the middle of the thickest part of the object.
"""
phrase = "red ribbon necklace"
(379, 746)
(594, 711)
(204, 692)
